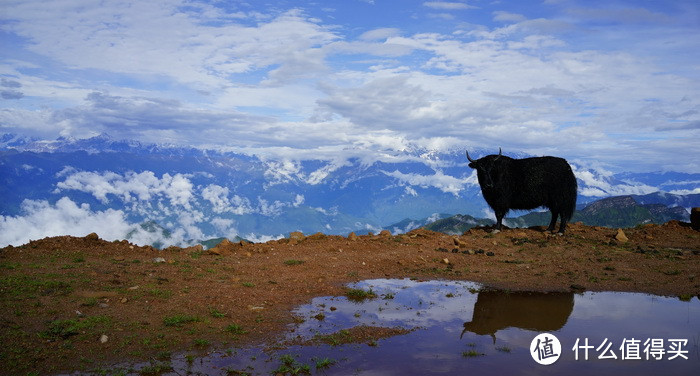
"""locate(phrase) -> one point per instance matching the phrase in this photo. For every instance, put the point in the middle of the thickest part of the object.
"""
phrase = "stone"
(194, 248)
(104, 338)
(620, 236)
(158, 260)
(446, 261)
(225, 247)
(385, 234)
(297, 235)
(353, 237)
(92, 236)
(458, 242)
(695, 218)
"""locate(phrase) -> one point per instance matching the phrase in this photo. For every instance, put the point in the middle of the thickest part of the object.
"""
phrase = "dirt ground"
(70, 303)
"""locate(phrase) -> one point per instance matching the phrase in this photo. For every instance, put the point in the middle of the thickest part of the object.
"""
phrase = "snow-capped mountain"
(110, 186)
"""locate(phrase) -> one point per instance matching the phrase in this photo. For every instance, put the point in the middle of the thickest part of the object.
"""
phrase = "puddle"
(457, 329)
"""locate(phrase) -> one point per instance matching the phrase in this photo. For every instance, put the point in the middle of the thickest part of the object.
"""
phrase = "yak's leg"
(499, 219)
(562, 227)
(553, 222)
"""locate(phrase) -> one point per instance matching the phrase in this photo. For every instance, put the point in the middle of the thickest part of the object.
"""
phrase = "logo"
(545, 349)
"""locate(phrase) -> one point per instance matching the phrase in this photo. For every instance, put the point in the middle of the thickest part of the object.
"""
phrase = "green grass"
(360, 294)
(293, 262)
(471, 354)
(323, 363)
(216, 314)
(235, 329)
(291, 366)
(179, 320)
(62, 329)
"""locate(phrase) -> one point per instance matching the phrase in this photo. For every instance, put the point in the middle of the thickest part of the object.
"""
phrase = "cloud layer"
(581, 80)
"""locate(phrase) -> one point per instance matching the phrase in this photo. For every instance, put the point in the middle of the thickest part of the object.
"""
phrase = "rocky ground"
(70, 303)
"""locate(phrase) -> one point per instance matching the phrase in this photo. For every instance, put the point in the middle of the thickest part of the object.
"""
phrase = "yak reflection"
(537, 311)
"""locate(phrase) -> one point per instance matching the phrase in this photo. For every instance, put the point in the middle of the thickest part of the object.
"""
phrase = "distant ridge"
(614, 212)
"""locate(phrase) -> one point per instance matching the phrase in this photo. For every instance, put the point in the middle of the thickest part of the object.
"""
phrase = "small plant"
(216, 314)
(235, 329)
(156, 369)
(290, 366)
(389, 296)
(248, 284)
(179, 320)
(293, 262)
(471, 354)
(360, 294)
(504, 349)
(324, 363)
(201, 342)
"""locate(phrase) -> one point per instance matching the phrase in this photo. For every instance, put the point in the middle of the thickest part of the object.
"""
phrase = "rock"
(297, 235)
(695, 218)
(104, 338)
(458, 242)
(353, 237)
(490, 254)
(317, 236)
(225, 247)
(621, 237)
(446, 261)
(92, 236)
(158, 260)
(385, 234)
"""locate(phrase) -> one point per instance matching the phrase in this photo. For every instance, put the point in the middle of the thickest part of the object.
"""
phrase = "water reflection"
(537, 311)
(496, 340)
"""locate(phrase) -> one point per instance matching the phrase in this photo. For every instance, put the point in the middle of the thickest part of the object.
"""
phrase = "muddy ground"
(70, 303)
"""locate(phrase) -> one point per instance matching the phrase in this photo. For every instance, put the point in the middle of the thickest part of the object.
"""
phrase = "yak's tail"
(570, 205)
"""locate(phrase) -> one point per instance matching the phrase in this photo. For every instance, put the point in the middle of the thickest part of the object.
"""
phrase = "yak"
(528, 183)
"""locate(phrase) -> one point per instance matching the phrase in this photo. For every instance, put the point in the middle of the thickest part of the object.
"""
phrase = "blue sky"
(614, 83)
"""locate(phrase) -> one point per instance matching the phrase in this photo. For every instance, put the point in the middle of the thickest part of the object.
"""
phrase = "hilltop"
(72, 303)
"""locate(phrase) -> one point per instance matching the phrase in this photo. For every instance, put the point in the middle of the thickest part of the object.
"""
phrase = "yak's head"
(489, 169)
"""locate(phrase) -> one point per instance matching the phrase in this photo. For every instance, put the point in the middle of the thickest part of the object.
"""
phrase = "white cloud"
(447, 5)
(129, 187)
(445, 183)
(40, 219)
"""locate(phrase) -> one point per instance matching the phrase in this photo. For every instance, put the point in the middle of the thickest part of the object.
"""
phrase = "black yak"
(527, 183)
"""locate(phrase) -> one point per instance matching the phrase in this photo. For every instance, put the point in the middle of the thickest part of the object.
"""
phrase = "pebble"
(104, 338)
(158, 260)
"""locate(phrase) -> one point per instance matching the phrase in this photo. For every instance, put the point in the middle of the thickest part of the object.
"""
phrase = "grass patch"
(248, 284)
(324, 363)
(62, 329)
(504, 349)
(179, 320)
(291, 366)
(472, 354)
(293, 262)
(216, 314)
(235, 329)
(359, 295)
(156, 369)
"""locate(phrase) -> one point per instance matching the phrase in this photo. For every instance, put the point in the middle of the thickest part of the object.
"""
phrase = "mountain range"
(112, 187)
